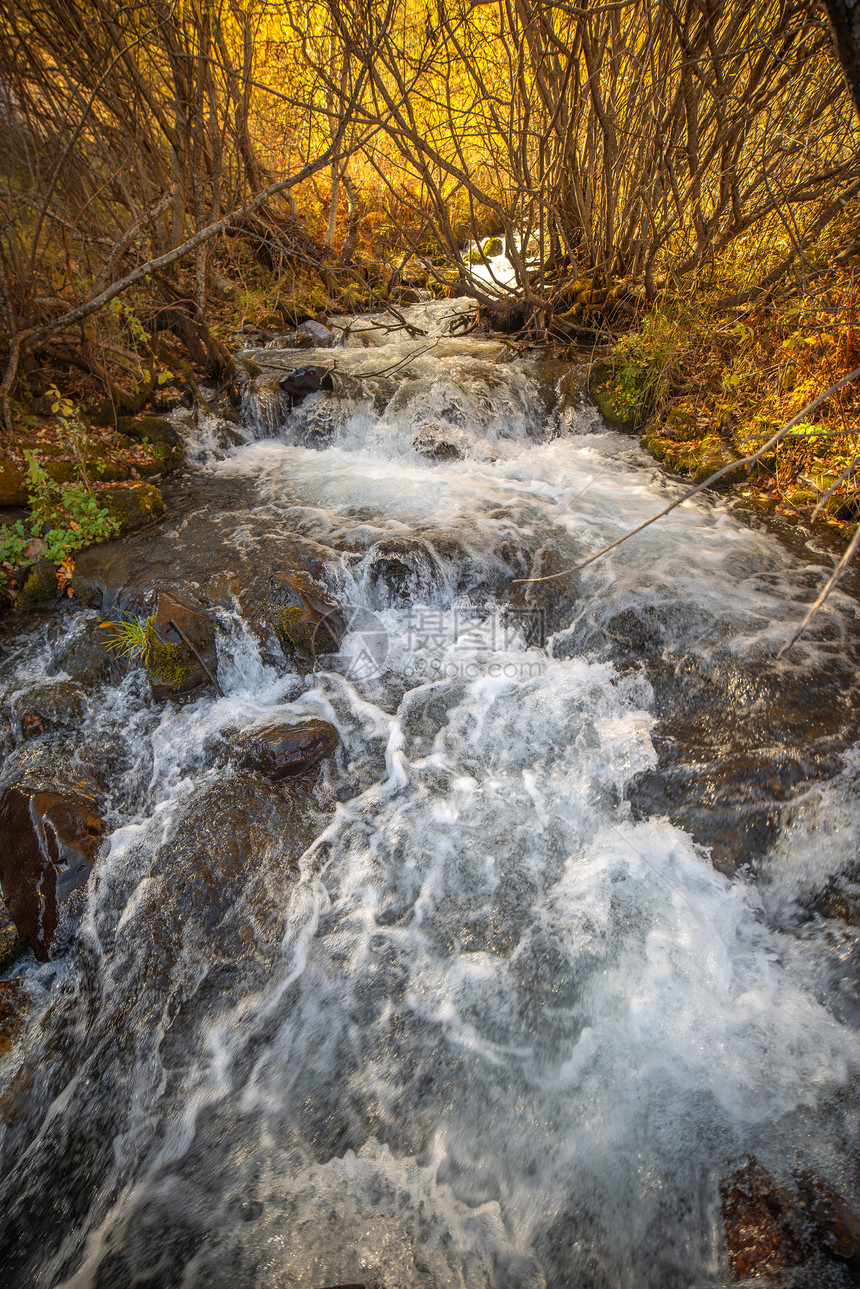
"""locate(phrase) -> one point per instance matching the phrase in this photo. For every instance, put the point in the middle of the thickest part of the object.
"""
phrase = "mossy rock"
(298, 633)
(131, 505)
(714, 454)
(13, 487)
(41, 589)
(657, 445)
(493, 246)
(610, 402)
(165, 441)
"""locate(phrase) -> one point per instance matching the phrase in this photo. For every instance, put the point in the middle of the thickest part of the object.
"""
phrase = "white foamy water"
(496, 1029)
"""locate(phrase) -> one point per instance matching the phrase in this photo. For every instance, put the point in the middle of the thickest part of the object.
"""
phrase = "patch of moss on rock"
(612, 403)
(493, 246)
(174, 664)
(163, 439)
(13, 488)
(132, 505)
(699, 459)
(40, 590)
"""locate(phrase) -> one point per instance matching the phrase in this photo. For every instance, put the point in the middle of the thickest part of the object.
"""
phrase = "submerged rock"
(401, 568)
(49, 839)
(430, 443)
(282, 750)
(804, 1236)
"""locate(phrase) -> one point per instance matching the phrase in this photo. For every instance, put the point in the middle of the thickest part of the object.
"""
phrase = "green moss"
(172, 663)
(493, 246)
(39, 588)
(297, 633)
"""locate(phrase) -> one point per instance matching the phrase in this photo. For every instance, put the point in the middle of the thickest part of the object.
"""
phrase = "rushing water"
(498, 1024)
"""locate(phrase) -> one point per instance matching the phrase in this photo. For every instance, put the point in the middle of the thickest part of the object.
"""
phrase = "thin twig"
(831, 583)
(180, 632)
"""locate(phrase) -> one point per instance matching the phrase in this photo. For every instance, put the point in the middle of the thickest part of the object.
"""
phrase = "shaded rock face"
(282, 751)
(804, 1236)
(49, 839)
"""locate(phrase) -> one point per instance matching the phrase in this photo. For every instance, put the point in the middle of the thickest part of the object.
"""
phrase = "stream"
(562, 935)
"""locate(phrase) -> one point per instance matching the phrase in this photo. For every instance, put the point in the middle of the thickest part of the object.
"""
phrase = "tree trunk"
(844, 18)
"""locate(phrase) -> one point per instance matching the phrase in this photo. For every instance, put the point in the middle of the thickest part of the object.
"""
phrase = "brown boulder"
(281, 751)
(174, 668)
(49, 838)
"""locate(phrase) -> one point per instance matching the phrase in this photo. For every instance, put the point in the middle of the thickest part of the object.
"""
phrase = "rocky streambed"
(381, 914)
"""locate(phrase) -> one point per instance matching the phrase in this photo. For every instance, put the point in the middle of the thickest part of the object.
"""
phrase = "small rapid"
(552, 942)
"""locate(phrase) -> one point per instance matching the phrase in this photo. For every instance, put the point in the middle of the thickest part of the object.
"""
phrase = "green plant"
(13, 542)
(645, 364)
(130, 637)
(69, 515)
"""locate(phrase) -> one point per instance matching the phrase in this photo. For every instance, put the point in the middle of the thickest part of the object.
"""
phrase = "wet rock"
(306, 620)
(431, 443)
(804, 1235)
(174, 669)
(87, 660)
(164, 441)
(540, 608)
(11, 944)
(220, 878)
(131, 505)
(49, 839)
(313, 335)
(296, 385)
(282, 750)
(48, 706)
(14, 1004)
(401, 568)
(761, 1225)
